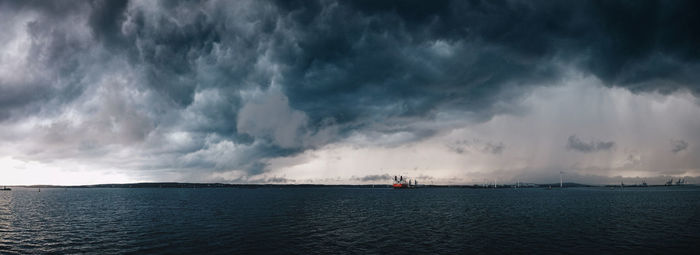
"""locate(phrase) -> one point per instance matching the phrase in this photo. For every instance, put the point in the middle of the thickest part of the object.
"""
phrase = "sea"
(345, 220)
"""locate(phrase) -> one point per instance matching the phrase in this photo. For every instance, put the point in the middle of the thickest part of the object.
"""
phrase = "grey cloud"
(678, 146)
(342, 66)
(494, 148)
(632, 161)
(372, 178)
(114, 120)
(270, 117)
(48, 67)
(476, 145)
(576, 144)
(277, 179)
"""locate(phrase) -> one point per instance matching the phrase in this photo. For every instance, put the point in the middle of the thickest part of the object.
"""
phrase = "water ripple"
(355, 221)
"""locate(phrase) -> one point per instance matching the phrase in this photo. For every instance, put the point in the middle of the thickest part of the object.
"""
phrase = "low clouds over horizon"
(289, 91)
(576, 144)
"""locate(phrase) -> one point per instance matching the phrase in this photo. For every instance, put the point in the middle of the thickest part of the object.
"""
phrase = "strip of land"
(253, 186)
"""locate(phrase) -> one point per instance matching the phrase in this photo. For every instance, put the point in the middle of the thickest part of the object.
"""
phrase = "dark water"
(343, 220)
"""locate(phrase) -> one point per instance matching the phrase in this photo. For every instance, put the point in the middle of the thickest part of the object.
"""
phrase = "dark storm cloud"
(678, 146)
(576, 144)
(106, 18)
(348, 64)
(369, 61)
(54, 69)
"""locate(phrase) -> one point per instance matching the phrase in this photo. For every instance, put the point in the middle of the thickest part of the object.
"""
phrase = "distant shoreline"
(228, 185)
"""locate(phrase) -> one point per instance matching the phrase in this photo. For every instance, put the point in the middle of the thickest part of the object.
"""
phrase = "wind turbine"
(561, 179)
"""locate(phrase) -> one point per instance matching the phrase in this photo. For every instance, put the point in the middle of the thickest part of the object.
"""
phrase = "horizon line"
(221, 184)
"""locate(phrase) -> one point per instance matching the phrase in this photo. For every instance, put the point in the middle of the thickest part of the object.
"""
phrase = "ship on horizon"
(401, 183)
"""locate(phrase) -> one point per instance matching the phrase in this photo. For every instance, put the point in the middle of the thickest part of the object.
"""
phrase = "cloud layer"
(576, 144)
(220, 90)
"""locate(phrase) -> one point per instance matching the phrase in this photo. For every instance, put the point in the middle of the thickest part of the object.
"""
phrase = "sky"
(349, 92)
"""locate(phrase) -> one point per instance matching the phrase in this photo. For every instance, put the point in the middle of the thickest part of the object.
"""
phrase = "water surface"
(350, 220)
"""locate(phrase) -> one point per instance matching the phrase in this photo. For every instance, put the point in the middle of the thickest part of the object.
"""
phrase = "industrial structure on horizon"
(401, 183)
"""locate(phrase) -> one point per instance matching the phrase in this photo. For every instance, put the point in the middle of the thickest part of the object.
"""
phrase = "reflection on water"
(331, 220)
